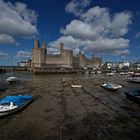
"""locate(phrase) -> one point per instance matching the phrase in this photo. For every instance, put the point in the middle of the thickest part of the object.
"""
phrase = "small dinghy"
(12, 104)
(76, 86)
(133, 95)
(110, 73)
(111, 86)
(12, 79)
(122, 73)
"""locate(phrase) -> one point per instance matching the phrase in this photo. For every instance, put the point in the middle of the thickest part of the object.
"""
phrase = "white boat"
(110, 73)
(12, 79)
(99, 72)
(76, 86)
(122, 73)
(111, 86)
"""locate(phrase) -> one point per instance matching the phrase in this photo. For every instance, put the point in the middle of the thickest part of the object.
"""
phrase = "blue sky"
(106, 28)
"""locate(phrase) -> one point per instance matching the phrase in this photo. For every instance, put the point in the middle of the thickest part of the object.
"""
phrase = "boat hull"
(111, 88)
(18, 109)
(76, 86)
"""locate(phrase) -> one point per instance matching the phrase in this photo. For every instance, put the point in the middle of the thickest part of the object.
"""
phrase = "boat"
(111, 86)
(92, 72)
(122, 73)
(133, 95)
(63, 80)
(110, 73)
(135, 75)
(13, 104)
(76, 86)
(12, 79)
(99, 72)
(134, 79)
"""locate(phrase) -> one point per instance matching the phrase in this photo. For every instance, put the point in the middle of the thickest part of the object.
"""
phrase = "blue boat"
(12, 104)
(111, 86)
(133, 95)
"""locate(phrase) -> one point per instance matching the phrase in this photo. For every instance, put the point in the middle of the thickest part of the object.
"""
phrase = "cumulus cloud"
(16, 20)
(52, 50)
(121, 52)
(120, 23)
(77, 6)
(104, 45)
(80, 29)
(6, 39)
(3, 55)
(23, 54)
(97, 30)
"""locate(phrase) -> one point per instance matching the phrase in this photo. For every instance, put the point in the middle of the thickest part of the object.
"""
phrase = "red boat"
(135, 75)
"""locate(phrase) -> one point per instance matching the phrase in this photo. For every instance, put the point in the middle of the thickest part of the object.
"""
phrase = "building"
(24, 63)
(116, 65)
(65, 59)
(135, 66)
(40, 58)
(124, 64)
(83, 62)
(111, 65)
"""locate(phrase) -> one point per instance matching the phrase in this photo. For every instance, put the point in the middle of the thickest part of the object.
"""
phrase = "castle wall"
(38, 57)
(65, 59)
(93, 62)
(36, 54)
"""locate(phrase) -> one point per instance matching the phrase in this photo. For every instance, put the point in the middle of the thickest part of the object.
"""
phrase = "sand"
(61, 112)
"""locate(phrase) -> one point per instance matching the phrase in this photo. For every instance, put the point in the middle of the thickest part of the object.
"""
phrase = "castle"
(65, 59)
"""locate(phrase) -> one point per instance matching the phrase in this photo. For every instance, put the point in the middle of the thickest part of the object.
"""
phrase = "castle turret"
(45, 47)
(36, 43)
(61, 48)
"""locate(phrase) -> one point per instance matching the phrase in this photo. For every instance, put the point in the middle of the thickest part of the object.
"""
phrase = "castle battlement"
(64, 59)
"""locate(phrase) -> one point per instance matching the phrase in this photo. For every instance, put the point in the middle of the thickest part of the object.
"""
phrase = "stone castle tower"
(39, 54)
(40, 58)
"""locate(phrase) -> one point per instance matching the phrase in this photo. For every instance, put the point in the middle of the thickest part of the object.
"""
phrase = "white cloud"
(53, 50)
(77, 6)
(17, 20)
(3, 55)
(97, 30)
(120, 23)
(105, 45)
(6, 39)
(80, 29)
(23, 54)
(121, 52)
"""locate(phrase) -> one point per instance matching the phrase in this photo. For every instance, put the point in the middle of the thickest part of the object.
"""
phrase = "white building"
(123, 64)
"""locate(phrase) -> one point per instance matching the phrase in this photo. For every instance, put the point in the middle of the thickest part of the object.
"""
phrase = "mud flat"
(61, 112)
